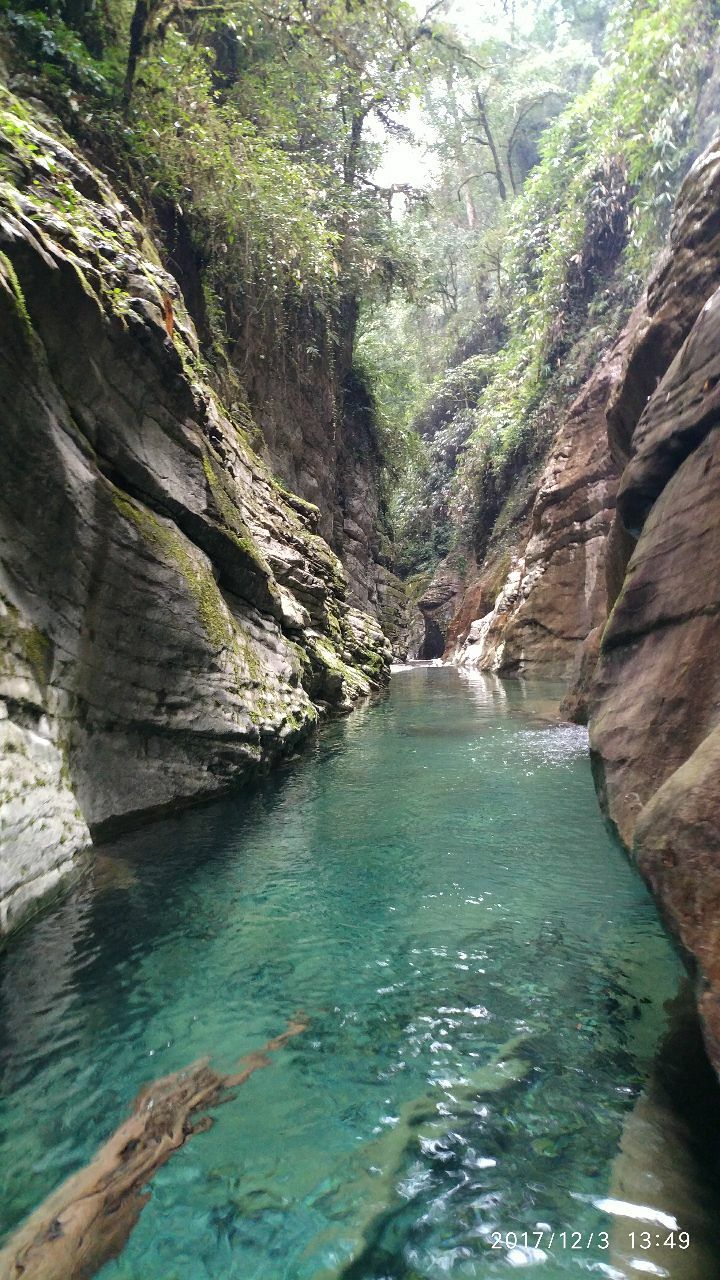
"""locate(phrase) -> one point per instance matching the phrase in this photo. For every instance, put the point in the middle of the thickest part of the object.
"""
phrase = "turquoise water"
(428, 882)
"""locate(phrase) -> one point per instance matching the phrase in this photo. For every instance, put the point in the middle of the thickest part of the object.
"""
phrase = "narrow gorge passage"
(359, 639)
(485, 982)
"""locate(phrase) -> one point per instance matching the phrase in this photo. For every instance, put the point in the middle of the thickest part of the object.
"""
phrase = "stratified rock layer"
(655, 698)
(169, 617)
(436, 607)
(318, 425)
(554, 593)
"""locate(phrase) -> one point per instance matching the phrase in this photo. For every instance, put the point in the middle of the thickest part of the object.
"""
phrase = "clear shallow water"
(428, 882)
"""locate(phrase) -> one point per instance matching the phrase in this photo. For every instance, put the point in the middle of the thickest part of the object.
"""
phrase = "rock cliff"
(170, 617)
(551, 582)
(625, 522)
(655, 694)
(319, 435)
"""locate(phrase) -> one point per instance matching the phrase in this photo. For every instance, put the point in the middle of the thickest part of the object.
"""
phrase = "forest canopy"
(480, 188)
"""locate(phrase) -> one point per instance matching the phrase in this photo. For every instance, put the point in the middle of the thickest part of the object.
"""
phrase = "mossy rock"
(174, 549)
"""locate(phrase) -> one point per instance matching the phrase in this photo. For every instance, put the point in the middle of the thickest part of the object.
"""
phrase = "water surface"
(433, 885)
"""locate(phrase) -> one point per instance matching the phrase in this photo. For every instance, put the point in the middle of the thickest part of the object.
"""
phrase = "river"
(485, 981)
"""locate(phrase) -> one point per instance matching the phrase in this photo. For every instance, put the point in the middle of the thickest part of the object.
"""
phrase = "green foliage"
(258, 120)
(554, 271)
(611, 165)
(592, 215)
(262, 128)
(390, 368)
(455, 394)
(252, 206)
(417, 471)
(570, 256)
(254, 120)
(54, 49)
(485, 105)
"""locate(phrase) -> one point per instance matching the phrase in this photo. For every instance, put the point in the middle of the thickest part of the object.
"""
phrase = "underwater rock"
(665, 1172)
(423, 1120)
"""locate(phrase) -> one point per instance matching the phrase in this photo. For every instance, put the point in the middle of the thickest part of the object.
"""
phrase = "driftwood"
(88, 1220)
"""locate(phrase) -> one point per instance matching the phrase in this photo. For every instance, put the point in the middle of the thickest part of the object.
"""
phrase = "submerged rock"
(665, 1171)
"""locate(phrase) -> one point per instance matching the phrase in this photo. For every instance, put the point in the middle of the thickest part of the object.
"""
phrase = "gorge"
(275, 425)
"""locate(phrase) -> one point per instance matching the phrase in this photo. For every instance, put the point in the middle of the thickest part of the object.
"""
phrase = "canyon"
(197, 561)
(611, 585)
(359, 610)
(129, 480)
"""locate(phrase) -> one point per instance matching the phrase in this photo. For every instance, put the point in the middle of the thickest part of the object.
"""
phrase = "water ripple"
(433, 885)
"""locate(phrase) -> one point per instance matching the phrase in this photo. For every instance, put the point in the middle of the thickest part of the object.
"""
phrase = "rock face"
(170, 618)
(437, 607)
(319, 436)
(626, 520)
(359, 534)
(655, 695)
(553, 595)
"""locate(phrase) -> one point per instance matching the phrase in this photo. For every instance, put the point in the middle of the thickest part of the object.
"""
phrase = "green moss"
(174, 548)
(244, 651)
(245, 425)
(28, 642)
(329, 564)
(233, 522)
(16, 129)
(8, 271)
(9, 103)
(330, 658)
(334, 626)
(417, 584)
(37, 651)
(373, 662)
(499, 575)
(294, 499)
(302, 660)
(220, 627)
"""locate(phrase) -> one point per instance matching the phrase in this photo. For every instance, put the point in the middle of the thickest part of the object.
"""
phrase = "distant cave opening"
(433, 645)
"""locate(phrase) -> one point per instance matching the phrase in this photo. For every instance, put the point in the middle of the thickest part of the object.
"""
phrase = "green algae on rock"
(171, 620)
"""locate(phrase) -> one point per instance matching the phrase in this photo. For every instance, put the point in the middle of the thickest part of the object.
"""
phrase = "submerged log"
(87, 1221)
(375, 1192)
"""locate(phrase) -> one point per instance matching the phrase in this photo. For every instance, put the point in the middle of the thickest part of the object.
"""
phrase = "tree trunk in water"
(88, 1220)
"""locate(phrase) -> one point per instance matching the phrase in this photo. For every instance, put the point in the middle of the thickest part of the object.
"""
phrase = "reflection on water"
(484, 974)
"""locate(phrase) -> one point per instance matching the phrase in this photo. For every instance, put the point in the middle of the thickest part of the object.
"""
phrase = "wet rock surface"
(655, 694)
(170, 618)
(437, 606)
